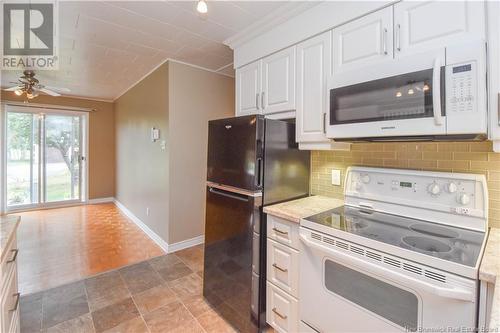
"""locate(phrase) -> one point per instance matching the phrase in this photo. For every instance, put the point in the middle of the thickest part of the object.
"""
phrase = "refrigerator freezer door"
(235, 152)
(230, 255)
(286, 168)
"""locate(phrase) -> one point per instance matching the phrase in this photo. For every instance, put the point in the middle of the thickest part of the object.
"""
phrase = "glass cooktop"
(445, 242)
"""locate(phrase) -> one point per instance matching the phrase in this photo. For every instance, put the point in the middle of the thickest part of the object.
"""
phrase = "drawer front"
(283, 267)
(283, 231)
(15, 325)
(9, 262)
(9, 302)
(282, 310)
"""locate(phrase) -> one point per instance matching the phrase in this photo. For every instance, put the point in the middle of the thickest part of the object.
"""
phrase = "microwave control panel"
(461, 87)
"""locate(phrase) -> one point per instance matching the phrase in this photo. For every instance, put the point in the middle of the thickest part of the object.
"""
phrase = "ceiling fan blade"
(12, 88)
(57, 89)
(49, 92)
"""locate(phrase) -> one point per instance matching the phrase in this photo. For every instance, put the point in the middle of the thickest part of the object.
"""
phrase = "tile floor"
(163, 294)
(97, 238)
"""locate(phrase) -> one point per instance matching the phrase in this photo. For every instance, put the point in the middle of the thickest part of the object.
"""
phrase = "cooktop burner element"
(426, 244)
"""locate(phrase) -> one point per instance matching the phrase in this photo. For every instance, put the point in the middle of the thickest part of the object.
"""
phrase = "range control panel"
(453, 193)
(461, 86)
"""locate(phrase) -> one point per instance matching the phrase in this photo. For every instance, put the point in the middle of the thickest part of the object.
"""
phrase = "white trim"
(186, 244)
(100, 200)
(154, 236)
(46, 106)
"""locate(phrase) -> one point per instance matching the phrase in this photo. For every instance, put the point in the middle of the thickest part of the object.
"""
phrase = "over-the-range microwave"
(435, 95)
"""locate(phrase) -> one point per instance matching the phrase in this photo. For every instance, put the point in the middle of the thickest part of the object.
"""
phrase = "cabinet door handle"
(284, 270)
(324, 123)
(262, 101)
(398, 37)
(14, 257)
(280, 232)
(257, 101)
(279, 314)
(17, 295)
(384, 40)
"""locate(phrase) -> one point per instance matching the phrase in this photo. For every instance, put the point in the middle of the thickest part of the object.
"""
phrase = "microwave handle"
(453, 293)
(436, 92)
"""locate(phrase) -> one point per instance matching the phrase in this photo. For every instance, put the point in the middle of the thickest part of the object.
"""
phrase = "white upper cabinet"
(278, 81)
(248, 89)
(424, 25)
(363, 42)
(313, 68)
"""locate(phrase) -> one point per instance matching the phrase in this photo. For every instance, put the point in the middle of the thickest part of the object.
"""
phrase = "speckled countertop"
(489, 271)
(8, 227)
(296, 209)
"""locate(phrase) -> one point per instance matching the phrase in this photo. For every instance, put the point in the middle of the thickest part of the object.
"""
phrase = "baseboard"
(157, 239)
(186, 243)
(100, 200)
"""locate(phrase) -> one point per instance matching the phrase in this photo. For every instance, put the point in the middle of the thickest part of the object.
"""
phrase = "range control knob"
(365, 179)
(358, 186)
(434, 189)
(452, 187)
(463, 199)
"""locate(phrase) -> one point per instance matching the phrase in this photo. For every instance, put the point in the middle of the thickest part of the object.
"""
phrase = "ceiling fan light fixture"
(202, 7)
(18, 92)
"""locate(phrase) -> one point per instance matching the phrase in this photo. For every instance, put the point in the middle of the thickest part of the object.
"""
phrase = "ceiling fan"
(29, 85)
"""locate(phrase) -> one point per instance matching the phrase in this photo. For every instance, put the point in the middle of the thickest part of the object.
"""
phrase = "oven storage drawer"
(282, 311)
(283, 267)
(283, 231)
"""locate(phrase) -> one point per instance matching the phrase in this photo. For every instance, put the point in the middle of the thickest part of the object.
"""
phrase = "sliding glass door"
(44, 158)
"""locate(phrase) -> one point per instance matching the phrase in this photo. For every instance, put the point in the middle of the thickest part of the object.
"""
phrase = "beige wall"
(468, 157)
(101, 140)
(141, 165)
(195, 97)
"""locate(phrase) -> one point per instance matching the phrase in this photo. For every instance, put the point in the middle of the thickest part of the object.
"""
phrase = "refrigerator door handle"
(228, 195)
(259, 171)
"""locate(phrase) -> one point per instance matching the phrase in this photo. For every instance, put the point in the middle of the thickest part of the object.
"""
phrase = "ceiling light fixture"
(202, 7)
(18, 92)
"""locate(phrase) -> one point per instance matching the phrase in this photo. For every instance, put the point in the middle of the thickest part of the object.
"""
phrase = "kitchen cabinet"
(248, 89)
(313, 68)
(9, 304)
(424, 25)
(278, 81)
(363, 42)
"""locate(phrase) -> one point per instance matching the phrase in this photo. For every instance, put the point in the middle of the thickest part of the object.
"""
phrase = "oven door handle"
(436, 92)
(453, 293)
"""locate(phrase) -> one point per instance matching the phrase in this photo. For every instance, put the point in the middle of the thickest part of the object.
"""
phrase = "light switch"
(155, 134)
(336, 177)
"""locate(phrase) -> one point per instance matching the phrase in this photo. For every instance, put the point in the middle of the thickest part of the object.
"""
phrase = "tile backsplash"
(466, 157)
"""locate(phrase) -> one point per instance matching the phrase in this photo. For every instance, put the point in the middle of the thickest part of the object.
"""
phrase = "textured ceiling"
(106, 47)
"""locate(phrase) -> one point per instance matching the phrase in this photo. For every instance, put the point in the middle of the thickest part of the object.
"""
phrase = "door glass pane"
(390, 302)
(62, 149)
(399, 97)
(22, 158)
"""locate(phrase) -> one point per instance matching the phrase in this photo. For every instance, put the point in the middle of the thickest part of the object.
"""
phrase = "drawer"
(282, 310)
(9, 302)
(283, 231)
(283, 267)
(15, 325)
(8, 262)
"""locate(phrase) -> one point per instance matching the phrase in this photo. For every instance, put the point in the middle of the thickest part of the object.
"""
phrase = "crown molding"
(268, 22)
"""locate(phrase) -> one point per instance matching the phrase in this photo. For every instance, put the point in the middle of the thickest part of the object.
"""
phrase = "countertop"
(297, 209)
(8, 227)
(489, 270)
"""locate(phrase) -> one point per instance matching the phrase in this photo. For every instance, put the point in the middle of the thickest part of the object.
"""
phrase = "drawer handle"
(284, 270)
(14, 257)
(18, 295)
(280, 231)
(279, 314)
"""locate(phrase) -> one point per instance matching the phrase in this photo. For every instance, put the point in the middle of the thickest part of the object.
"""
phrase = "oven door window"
(386, 300)
(403, 96)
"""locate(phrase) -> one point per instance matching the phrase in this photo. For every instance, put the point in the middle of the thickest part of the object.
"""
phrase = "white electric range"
(403, 254)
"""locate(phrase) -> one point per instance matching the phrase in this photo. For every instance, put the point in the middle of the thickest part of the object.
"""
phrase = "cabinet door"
(313, 69)
(424, 25)
(278, 81)
(248, 88)
(363, 42)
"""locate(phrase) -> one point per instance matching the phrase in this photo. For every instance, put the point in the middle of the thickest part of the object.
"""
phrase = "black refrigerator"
(252, 162)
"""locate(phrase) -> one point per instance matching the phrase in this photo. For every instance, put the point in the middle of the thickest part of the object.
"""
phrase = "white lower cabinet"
(282, 290)
(9, 299)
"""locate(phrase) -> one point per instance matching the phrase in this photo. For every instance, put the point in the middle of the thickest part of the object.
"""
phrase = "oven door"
(342, 291)
(400, 98)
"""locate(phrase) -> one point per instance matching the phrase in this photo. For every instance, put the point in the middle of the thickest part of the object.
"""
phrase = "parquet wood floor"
(62, 245)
